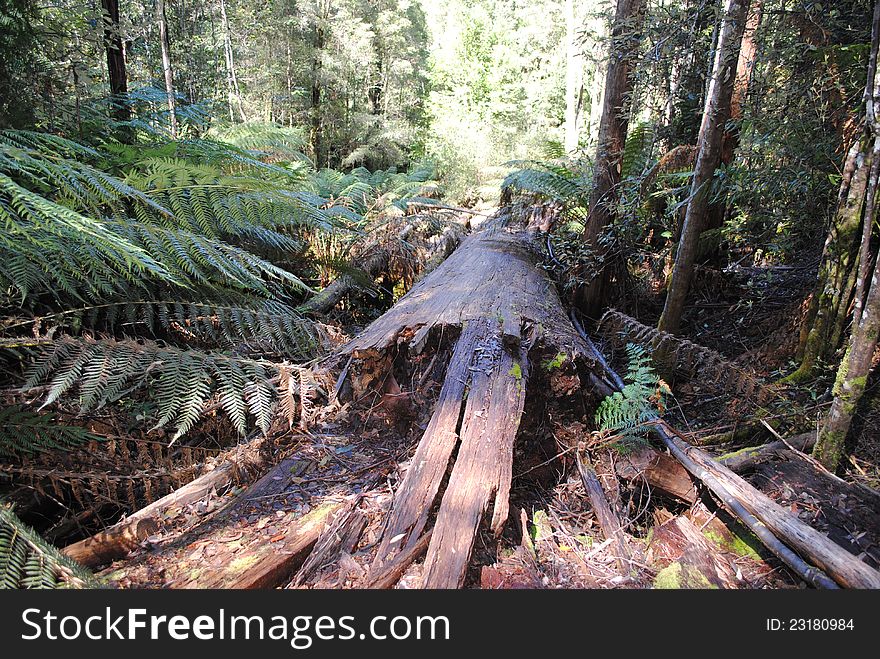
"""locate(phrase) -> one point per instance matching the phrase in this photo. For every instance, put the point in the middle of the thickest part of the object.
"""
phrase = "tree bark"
(845, 266)
(715, 113)
(231, 76)
(851, 379)
(167, 70)
(573, 82)
(504, 310)
(609, 150)
(116, 71)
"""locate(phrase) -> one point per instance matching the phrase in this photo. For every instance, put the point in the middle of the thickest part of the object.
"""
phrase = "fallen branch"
(764, 517)
(117, 540)
(608, 521)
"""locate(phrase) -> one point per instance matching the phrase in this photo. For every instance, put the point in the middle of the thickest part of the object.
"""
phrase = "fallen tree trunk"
(764, 517)
(503, 310)
(748, 458)
(119, 539)
(268, 563)
(839, 564)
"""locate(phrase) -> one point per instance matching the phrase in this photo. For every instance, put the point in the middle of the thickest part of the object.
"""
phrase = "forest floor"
(356, 457)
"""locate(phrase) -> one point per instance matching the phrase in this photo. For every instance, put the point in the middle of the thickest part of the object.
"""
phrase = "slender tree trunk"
(856, 364)
(846, 263)
(612, 137)
(872, 108)
(317, 137)
(573, 82)
(164, 44)
(715, 113)
(231, 77)
(709, 250)
(115, 61)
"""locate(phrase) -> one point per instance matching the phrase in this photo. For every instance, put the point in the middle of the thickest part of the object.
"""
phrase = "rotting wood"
(686, 559)
(483, 469)
(374, 261)
(846, 569)
(421, 483)
(765, 518)
(490, 294)
(608, 521)
(392, 571)
(748, 458)
(659, 471)
(341, 536)
(117, 540)
(268, 563)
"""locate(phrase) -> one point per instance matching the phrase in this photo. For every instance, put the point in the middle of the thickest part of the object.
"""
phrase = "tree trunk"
(232, 78)
(167, 70)
(317, 129)
(715, 113)
(120, 109)
(609, 150)
(845, 265)
(852, 377)
(573, 82)
(506, 314)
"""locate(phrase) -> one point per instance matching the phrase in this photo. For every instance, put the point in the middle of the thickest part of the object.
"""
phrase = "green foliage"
(23, 432)
(180, 381)
(27, 561)
(566, 182)
(626, 412)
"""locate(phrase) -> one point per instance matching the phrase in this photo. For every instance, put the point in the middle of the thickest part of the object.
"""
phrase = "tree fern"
(27, 561)
(180, 381)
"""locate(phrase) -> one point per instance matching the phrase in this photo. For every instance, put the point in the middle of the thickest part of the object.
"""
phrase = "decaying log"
(839, 564)
(393, 570)
(748, 458)
(764, 517)
(608, 521)
(661, 472)
(339, 537)
(501, 306)
(686, 558)
(267, 564)
(484, 466)
(375, 261)
(333, 293)
(117, 540)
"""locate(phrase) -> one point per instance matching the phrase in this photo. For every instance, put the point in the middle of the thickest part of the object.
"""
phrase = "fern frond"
(181, 381)
(28, 561)
(23, 432)
(626, 410)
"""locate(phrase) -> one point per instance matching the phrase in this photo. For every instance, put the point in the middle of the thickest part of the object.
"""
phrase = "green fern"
(28, 561)
(23, 432)
(637, 150)
(180, 381)
(625, 412)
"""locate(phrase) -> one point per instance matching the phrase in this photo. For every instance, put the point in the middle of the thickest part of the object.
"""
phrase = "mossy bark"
(852, 376)
(845, 265)
(829, 306)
